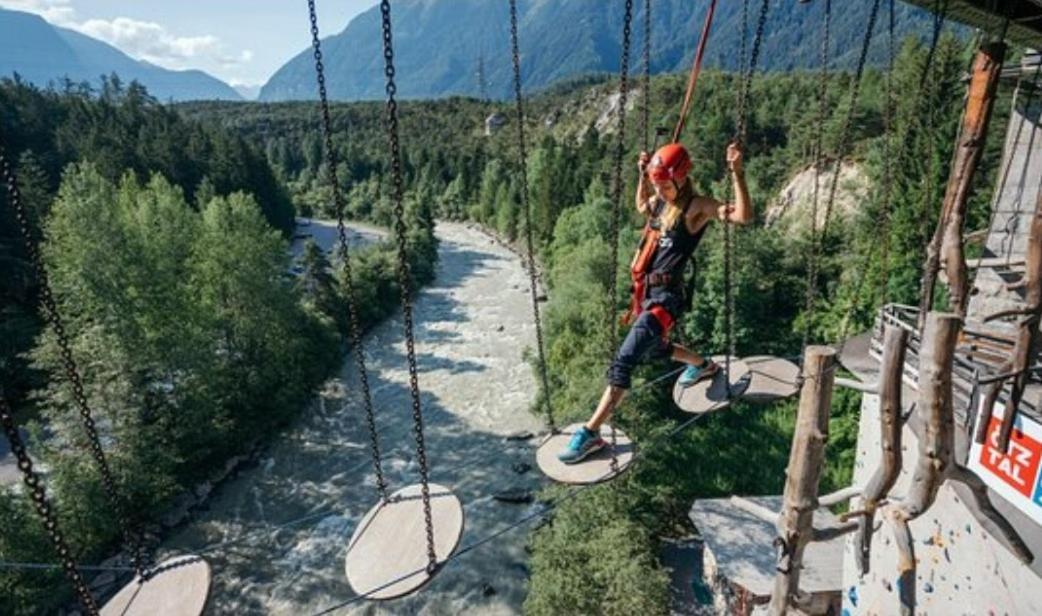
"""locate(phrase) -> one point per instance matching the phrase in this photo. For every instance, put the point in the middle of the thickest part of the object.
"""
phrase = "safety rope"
(43, 508)
(131, 538)
(355, 327)
(696, 69)
(404, 276)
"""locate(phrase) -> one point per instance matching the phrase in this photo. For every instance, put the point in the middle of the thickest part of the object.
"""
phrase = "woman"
(676, 218)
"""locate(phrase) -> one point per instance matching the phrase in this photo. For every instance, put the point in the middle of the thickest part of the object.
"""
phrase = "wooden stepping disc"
(594, 469)
(773, 378)
(177, 587)
(387, 555)
(711, 394)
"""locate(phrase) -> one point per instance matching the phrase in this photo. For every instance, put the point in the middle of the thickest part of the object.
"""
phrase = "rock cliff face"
(791, 210)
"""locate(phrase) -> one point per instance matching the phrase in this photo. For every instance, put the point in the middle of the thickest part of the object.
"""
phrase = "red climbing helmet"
(670, 162)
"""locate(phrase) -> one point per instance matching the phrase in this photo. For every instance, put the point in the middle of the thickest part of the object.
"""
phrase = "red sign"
(1019, 467)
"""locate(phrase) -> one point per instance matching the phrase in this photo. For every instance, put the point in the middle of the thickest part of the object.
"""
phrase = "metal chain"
(526, 205)
(842, 145)
(810, 293)
(645, 111)
(43, 507)
(616, 202)
(131, 539)
(747, 79)
(890, 108)
(404, 277)
(355, 327)
(741, 124)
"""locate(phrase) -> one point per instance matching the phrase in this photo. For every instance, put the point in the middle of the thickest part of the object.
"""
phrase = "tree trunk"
(795, 524)
(947, 238)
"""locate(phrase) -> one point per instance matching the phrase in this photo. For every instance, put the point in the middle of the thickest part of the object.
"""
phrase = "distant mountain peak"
(43, 54)
(439, 44)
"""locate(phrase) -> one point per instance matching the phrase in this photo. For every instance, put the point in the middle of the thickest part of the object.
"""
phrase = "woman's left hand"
(734, 157)
(725, 212)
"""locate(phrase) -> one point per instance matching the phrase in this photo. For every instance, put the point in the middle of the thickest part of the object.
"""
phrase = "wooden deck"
(1025, 16)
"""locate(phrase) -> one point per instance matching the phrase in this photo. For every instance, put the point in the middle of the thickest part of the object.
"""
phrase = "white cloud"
(152, 42)
(143, 40)
(58, 12)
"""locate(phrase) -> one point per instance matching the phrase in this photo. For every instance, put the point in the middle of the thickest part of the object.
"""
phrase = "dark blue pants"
(645, 336)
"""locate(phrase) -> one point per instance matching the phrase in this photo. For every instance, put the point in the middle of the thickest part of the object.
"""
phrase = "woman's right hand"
(642, 162)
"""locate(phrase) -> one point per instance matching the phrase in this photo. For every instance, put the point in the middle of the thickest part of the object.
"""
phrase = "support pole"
(795, 525)
(1026, 345)
(895, 340)
(947, 238)
(935, 447)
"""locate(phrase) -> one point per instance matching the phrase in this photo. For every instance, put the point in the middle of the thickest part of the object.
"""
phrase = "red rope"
(696, 68)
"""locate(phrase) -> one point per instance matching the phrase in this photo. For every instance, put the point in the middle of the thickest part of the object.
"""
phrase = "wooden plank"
(712, 394)
(772, 378)
(806, 460)
(387, 555)
(594, 469)
(176, 587)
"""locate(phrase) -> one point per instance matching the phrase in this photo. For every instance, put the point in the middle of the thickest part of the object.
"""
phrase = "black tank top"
(675, 248)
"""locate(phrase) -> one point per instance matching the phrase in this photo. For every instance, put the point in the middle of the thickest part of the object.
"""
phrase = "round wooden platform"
(772, 379)
(711, 394)
(177, 587)
(594, 469)
(387, 555)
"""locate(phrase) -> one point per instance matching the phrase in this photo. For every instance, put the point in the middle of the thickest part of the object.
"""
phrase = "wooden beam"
(806, 459)
(895, 345)
(865, 388)
(1026, 344)
(947, 238)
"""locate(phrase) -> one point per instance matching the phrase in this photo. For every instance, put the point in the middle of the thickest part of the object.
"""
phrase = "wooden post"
(1025, 346)
(935, 447)
(947, 238)
(795, 524)
(895, 340)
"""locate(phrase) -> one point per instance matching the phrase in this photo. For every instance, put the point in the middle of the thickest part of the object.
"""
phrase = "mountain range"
(440, 44)
(42, 54)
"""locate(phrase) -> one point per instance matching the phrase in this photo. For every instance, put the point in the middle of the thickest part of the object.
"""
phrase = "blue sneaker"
(694, 374)
(583, 443)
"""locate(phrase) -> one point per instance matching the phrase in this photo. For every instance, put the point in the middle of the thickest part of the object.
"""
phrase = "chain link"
(404, 277)
(523, 169)
(890, 108)
(355, 327)
(43, 507)
(842, 145)
(742, 112)
(810, 291)
(616, 202)
(132, 539)
(645, 111)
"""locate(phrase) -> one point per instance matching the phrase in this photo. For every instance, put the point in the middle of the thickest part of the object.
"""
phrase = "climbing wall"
(962, 568)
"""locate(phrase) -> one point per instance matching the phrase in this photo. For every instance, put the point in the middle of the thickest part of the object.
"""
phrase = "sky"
(241, 42)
